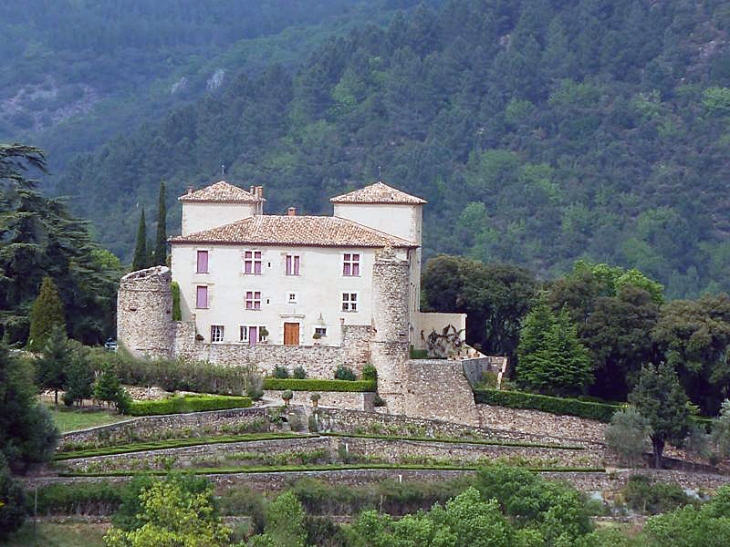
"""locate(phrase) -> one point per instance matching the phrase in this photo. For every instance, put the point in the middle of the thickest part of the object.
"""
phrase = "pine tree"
(141, 260)
(552, 358)
(160, 257)
(45, 315)
(53, 363)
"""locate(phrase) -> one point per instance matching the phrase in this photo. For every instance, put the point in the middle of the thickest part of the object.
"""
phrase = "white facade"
(242, 273)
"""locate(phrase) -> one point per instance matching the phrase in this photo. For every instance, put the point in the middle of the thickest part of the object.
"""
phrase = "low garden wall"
(344, 400)
(149, 428)
(535, 422)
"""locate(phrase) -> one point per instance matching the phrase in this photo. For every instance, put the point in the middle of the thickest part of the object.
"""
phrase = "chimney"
(252, 191)
(260, 192)
(292, 211)
(190, 190)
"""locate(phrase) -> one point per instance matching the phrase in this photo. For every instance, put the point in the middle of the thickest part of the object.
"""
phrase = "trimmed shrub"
(318, 385)
(369, 372)
(280, 371)
(554, 405)
(82, 498)
(345, 373)
(190, 403)
(299, 373)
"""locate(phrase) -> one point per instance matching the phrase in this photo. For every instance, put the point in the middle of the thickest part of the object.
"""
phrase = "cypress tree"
(45, 315)
(160, 258)
(141, 260)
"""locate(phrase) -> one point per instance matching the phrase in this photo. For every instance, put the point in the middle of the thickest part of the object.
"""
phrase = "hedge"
(190, 403)
(319, 385)
(554, 405)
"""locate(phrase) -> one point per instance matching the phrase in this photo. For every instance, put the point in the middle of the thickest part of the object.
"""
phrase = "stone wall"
(332, 449)
(476, 367)
(391, 327)
(144, 313)
(541, 423)
(173, 426)
(334, 399)
(358, 422)
(438, 389)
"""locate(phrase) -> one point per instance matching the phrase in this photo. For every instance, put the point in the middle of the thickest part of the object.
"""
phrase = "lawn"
(71, 420)
(53, 534)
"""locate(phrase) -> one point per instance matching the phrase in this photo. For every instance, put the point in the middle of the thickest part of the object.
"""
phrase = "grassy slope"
(51, 534)
(70, 420)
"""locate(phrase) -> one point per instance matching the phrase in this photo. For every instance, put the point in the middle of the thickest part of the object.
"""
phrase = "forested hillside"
(540, 131)
(77, 72)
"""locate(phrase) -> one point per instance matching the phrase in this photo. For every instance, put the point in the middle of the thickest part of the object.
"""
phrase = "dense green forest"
(540, 131)
(77, 72)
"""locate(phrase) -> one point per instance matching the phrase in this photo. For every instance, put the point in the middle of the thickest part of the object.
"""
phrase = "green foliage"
(12, 502)
(659, 397)
(45, 315)
(79, 383)
(298, 373)
(188, 403)
(287, 395)
(627, 435)
(160, 253)
(495, 298)
(40, 239)
(284, 523)
(108, 389)
(53, 363)
(101, 497)
(721, 430)
(643, 494)
(280, 371)
(141, 256)
(182, 375)
(345, 373)
(555, 510)
(706, 526)
(319, 385)
(551, 357)
(370, 373)
(176, 310)
(171, 513)
(555, 405)
(27, 433)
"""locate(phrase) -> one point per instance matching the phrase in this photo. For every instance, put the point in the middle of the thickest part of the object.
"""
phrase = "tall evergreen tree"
(659, 397)
(141, 259)
(160, 257)
(45, 315)
(53, 363)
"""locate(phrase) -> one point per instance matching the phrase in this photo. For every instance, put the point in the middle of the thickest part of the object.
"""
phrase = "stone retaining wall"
(335, 399)
(333, 449)
(272, 482)
(541, 423)
(148, 428)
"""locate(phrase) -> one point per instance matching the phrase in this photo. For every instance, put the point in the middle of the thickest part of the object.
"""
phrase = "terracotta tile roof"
(307, 231)
(378, 193)
(221, 191)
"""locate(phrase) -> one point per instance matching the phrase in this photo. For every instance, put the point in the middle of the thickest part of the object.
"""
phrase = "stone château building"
(293, 290)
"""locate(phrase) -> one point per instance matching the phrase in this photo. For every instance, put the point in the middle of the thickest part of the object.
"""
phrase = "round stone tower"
(144, 313)
(391, 322)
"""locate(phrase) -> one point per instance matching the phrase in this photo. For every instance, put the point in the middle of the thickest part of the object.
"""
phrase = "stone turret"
(144, 313)
(389, 345)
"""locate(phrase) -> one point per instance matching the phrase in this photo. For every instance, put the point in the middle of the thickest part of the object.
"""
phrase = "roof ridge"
(378, 192)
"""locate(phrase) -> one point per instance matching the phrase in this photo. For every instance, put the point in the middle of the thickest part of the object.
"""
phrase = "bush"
(648, 497)
(190, 403)
(96, 498)
(280, 371)
(554, 405)
(369, 372)
(299, 373)
(319, 385)
(176, 310)
(12, 502)
(345, 373)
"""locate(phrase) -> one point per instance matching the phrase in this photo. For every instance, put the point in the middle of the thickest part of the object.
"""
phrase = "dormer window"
(252, 262)
(351, 264)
